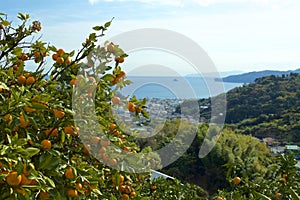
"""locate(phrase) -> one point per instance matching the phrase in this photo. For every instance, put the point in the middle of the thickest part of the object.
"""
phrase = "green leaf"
(145, 114)
(52, 184)
(98, 28)
(21, 16)
(107, 24)
(294, 195)
(108, 77)
(32, 151)
(5, 23)
(261, 196)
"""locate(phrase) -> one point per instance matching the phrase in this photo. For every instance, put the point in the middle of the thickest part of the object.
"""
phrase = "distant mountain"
(216, 74)
(251, 76)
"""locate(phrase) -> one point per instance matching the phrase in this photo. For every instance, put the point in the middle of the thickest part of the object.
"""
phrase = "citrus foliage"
(44, 153)
(280, 182)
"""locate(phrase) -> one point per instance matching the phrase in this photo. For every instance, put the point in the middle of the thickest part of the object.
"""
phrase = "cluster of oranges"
(60, 57)
(26, 78)
(117, 78)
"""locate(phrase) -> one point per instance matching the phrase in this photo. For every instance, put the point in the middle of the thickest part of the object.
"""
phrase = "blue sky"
(243, 35)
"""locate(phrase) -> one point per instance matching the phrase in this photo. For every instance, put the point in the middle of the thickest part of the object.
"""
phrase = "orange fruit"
(87, 41)
(121, 178)
(60, 60)
(79, 186)
(121, 74)
(1, 89)
(55, 56)
(153, 187)
(72, 82)
(285, 175)
(21, 79)
(52, 131)
(131, 107)
(126, 149)
(278, 195)
(44, 195)
(112, 126)
(60, 51)
(95, 140)
(27, 169)
(74, 131)
(27, 74)
(116, 100)
(119, 59)
(72, 192)
(125, 196)
(13, 179)
(37, 54)
(24, 57)
(68, 61)
(59, 113)
(132, 194)
(8, 118)
(220, 198)
(283, 180)
(111, 47)
(113, 162)
(104, 143)
(69, 173)
(30, 80)
(102, 150)
(23, 123)
(237, 180)
(46, 144)
(25, 180)
(20, 191)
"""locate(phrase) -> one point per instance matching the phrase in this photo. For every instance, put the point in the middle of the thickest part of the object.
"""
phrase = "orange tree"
(280, 182)
(44, 153)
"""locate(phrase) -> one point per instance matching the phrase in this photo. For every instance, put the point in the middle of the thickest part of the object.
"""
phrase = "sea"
(167, 87)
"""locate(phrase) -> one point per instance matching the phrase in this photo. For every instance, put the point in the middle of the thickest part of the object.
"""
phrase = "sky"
(237, 35)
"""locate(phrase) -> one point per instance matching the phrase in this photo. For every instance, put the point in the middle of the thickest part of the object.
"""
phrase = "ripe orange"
(95, 140)
(153, 187)
(37, 54)
(112, 126)
(131, 107)
(220, 198)
(132, 194)
(237, 180)
(72, 192)
(79, 186)
(104, 143)
(1, 89)
(52, 131)
(21, 79)
(46, 144)
(69, 173)
(8, 118)
(121, 74)
(24, 57)
(119, 59)
(113, 162)
(278, 195)
(74, 131)
(23, 123)
(55, 56)
(125, 196)
(72, 82)
(59, 113)
(121, 178)
(13, 179)
(126, 149)
(60, 51)
(27, 74)
(60, 60)
(68, 61)
(283, 180)
(25, 180)
(30, 80)
(116, 100)
(44, 195)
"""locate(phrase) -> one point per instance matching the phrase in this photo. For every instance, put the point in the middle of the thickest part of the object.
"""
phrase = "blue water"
(176, 87)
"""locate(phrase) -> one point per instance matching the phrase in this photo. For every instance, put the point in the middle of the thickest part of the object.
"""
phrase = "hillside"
(251, 76)
(269, 107)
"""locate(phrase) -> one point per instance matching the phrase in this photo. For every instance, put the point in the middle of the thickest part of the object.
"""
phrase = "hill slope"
(251, 76)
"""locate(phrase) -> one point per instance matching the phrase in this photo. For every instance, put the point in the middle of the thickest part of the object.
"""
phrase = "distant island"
(250, 77)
